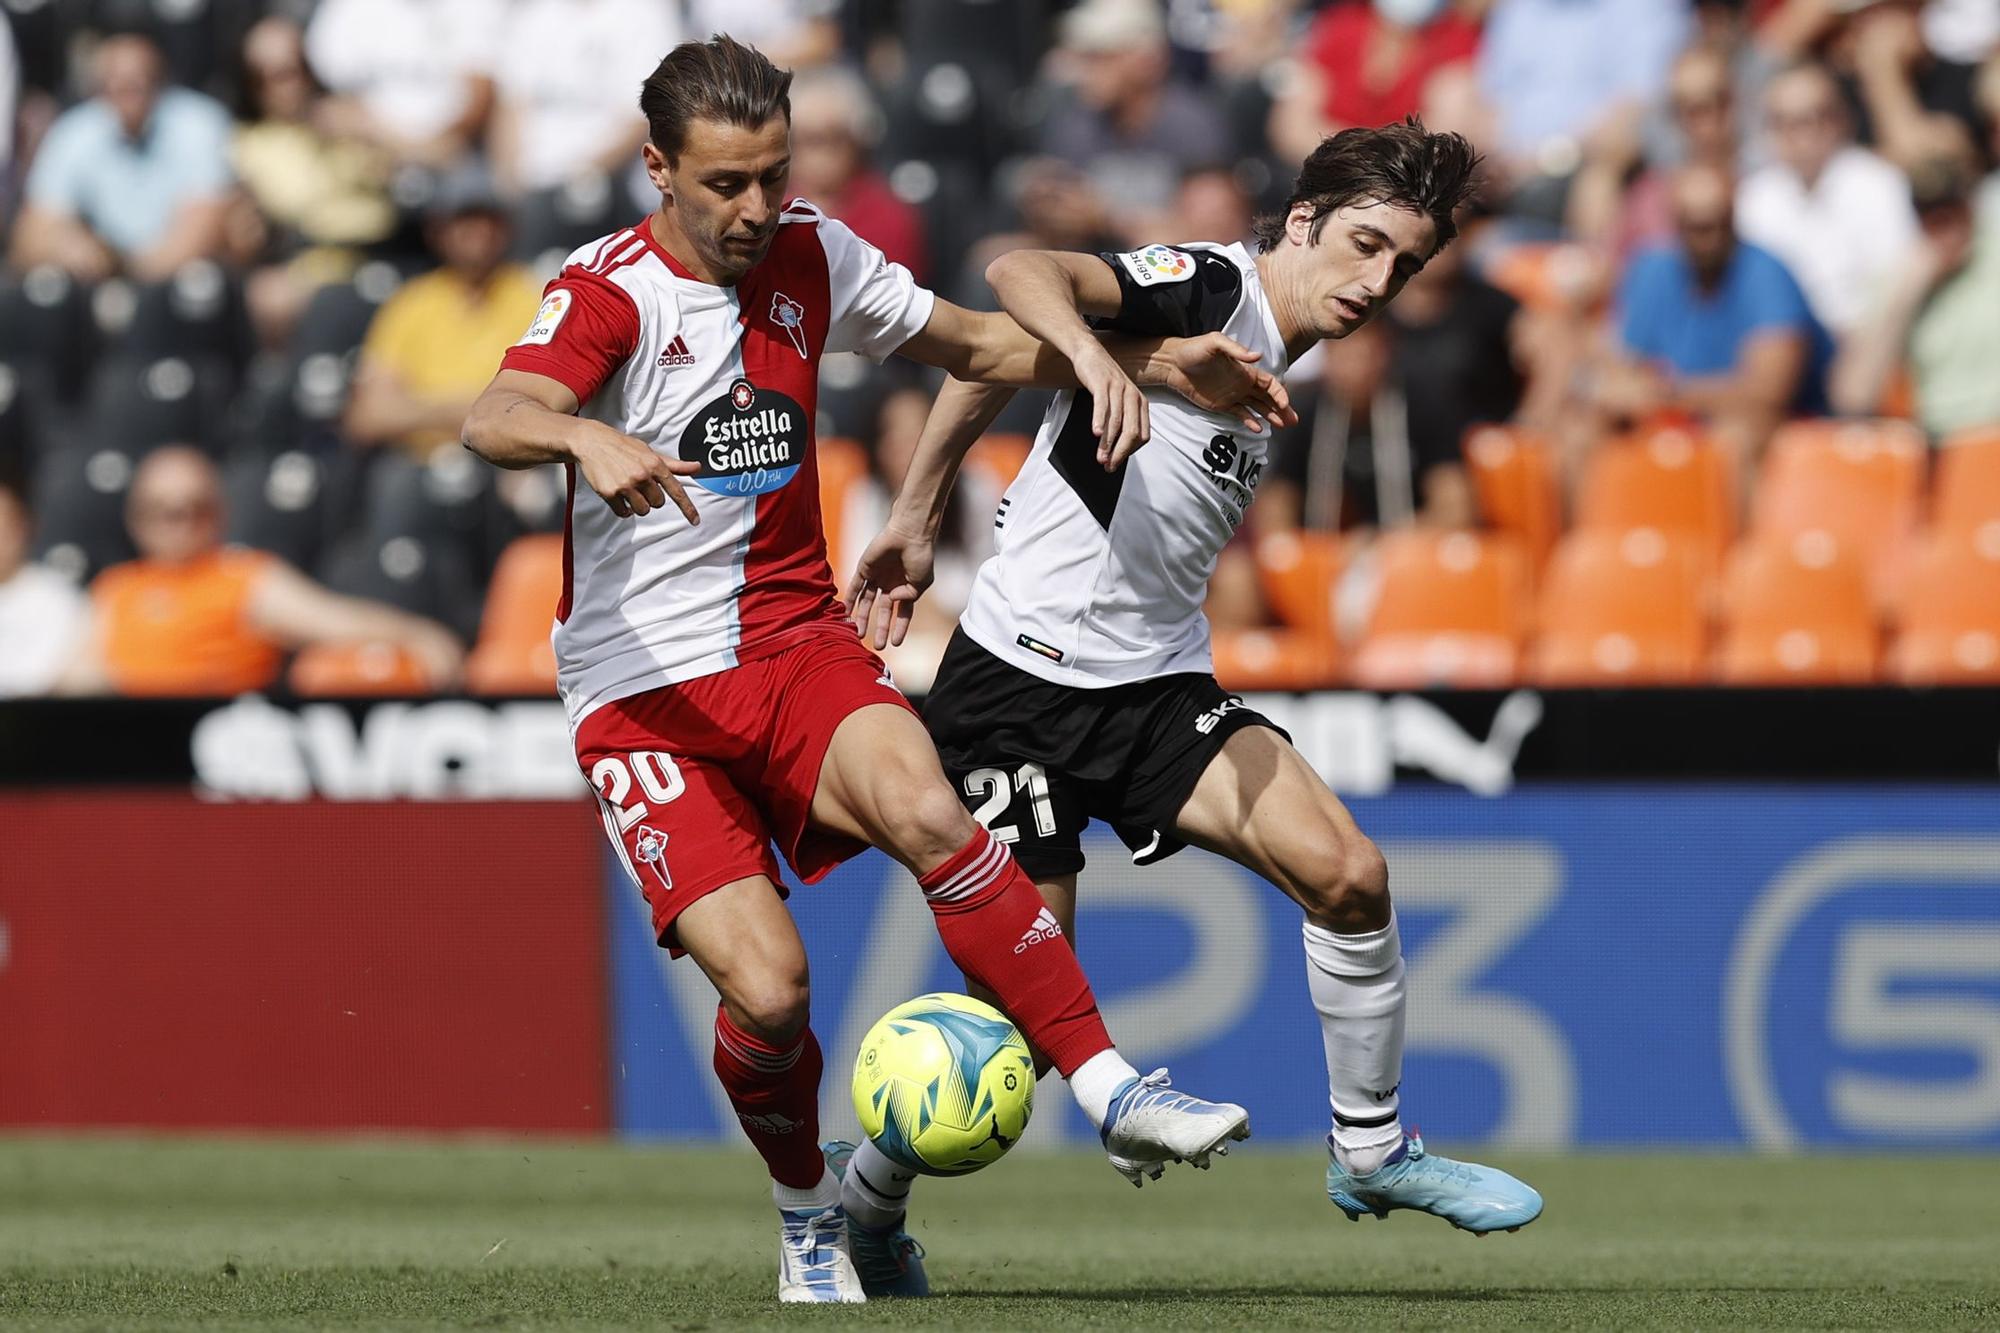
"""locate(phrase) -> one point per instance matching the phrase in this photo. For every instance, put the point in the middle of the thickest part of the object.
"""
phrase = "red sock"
(1001, 934)
(776, 1095)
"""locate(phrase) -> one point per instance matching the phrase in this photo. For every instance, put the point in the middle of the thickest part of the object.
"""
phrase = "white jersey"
(1099, 576)
(727, 377)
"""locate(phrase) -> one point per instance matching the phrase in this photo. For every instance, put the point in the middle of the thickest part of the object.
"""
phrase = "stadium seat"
(555, 221)
(79, 499)
(1275, 659)
(138, 403)
(274, 504)
(1797, 612)
(1968, 481)
(45, 321)
(1515, 475)
(1299, 573)
(1949, 619)
(998, 458)
(20, 421)
(1553, 276)
(198, 312)
(843, 465)
(343, 669)
(1622, 608)
(427, 578)
(450, 499)
(1451, 609)
(513, 654)
(1861, 482)
(336, 317)
(1668, 479)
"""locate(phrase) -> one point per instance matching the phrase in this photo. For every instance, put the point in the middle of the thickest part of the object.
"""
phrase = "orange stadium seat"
(1553, 276)
(1622, 608)
(843, 465)
(1515, 475)
(1968, 481)
(1275, 659)
(513, 655)
(1797, 612)
(998, 459)
(337, 669)
(1666, 478)
(1452, 609)
(1299, 573)
(1949, 620)
(1861, 482)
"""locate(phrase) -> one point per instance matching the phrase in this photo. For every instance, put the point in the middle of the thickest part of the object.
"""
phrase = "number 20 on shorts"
(655, 773)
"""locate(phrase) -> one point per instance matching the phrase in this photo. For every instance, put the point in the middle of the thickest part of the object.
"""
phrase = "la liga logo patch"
(555, 306)
(1158, 263)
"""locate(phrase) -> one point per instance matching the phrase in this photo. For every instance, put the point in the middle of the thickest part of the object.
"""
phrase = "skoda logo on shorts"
(748, 441)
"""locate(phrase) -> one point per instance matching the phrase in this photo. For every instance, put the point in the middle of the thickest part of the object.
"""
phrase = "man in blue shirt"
(134, 180)
(1713, 327)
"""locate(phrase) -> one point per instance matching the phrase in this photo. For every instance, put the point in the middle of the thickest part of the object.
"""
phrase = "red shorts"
(695, 780)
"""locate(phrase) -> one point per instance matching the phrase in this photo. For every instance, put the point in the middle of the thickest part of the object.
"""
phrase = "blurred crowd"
(1719, 328)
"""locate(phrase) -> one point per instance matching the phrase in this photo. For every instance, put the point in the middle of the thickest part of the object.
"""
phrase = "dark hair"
(719, 79)
(1401, 164)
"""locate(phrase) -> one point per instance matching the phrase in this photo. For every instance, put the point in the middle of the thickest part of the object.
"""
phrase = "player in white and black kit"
(1079, 685)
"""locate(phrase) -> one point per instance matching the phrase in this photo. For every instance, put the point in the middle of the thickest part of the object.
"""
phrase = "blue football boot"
(1471, 1197)
(889, 1260)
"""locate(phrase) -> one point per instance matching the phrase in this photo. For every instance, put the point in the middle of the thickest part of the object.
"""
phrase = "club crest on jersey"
(748, 441)
(790, 316)
(1156, 264)
(651, 850)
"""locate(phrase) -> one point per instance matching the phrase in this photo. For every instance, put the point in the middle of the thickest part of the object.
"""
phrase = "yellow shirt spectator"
(440, 338)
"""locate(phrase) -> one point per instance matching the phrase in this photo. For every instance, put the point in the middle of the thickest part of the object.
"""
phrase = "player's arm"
(523, 420)
(898, 565)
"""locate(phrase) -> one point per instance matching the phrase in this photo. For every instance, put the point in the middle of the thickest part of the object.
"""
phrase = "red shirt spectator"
(1374, 71)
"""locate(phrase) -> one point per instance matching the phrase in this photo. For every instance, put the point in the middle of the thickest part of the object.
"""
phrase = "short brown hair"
(1401, 164)
(719, 79)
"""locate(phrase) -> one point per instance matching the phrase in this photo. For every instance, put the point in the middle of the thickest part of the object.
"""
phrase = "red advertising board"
(174, 963)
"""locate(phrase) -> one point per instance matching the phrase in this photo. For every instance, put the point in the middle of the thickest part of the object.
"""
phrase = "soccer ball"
(944, 1084)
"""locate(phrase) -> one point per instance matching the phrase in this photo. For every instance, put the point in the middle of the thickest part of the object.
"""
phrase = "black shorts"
(1035, 762)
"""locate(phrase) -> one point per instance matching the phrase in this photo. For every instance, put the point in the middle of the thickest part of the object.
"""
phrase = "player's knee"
(929, 824)
(1351, 884)
(774, 1008)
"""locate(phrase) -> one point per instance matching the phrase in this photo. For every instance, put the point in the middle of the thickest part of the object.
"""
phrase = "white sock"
(1357, 987)
(875, 1191)
(1096, 1079)
(819, 1198)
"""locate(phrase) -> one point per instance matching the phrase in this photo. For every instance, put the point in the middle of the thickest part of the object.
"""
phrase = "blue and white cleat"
(889, 1261)
(1471, 1197)
(1149, 1124)
(814, 1266)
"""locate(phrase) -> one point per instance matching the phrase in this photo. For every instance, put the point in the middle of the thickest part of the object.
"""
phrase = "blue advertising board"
(1721, 965)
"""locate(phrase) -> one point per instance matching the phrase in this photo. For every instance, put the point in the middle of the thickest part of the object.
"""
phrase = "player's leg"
(699, 852)
(875, 1191)
(881, 782)
(1260, 804)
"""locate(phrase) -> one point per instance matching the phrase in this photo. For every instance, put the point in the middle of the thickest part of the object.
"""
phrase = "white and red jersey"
(727, 377)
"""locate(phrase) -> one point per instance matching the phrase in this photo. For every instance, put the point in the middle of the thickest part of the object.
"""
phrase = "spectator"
(834, 123)
(1365, 453)
(311, 202)
(1366, 62)
(135, 180)
(795, 34)
(193, 617)
(1835, 213)
(42, 615)
(1713, 327)
(1608, 207)
(1124, 124)
(566, 101)
(412, 77)
(435, 343)
(1557, 74)
(1941, 311)
(1211, 205)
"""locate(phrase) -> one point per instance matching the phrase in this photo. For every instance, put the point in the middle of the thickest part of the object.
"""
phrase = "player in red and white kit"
(718, 697)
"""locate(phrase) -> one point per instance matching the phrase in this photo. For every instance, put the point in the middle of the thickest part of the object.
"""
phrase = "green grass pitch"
(233, 1234)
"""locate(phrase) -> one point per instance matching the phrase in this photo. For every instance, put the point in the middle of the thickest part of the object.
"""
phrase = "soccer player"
(1079, 682)
(718, 697)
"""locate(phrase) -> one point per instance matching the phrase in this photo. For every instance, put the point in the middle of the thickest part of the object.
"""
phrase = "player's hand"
(632, 476)
(1218, 374)
(1119, 415)
(893, 573)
